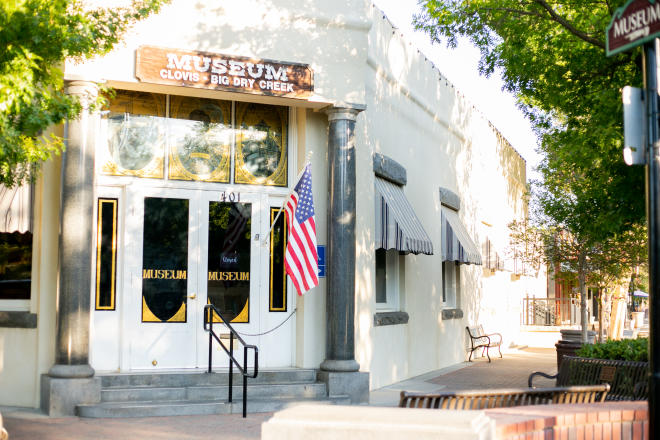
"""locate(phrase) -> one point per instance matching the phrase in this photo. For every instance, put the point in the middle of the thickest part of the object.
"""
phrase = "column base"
(71, 371)
(59, 396)
(354, 384)
(340, 365)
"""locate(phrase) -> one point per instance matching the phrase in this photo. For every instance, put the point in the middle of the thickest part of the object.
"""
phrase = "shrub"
(625, 350)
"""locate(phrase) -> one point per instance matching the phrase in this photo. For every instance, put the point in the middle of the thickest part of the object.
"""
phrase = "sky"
(460, 67)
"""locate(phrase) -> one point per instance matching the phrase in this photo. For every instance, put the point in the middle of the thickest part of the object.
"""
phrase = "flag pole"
(307, 162)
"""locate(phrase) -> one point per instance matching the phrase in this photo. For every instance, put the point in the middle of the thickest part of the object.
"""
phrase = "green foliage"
(625, 350)
(36, 36)
(551, 56)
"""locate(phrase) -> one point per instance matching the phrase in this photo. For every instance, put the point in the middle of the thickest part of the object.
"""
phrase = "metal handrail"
(208, 326)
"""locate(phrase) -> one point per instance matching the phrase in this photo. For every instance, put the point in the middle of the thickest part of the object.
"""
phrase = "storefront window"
(195, 139)
(106, 254)
(200, 139)
(15, 265)
(261, 147)
(278, 236)
(135, 128)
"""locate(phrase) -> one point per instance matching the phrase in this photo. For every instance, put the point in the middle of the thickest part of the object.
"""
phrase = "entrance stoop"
(187, 393)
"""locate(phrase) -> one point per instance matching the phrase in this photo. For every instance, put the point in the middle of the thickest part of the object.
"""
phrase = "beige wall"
(416, 117)
(25, 354)
(330, 36)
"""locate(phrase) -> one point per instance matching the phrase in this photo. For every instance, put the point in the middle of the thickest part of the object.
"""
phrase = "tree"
(36, 37)
(559, 237)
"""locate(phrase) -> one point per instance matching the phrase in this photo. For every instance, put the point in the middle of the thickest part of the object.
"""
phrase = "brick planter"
(609, 420)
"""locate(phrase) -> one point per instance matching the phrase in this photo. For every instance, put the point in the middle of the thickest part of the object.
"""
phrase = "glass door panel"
(165, 260)
(229, 252)
(229, 266)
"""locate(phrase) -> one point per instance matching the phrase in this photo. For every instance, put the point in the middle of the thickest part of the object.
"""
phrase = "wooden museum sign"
(637, 22)
(213, 71)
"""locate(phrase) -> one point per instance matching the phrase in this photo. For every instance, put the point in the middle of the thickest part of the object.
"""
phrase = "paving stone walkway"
(227, 427)
(511, 371)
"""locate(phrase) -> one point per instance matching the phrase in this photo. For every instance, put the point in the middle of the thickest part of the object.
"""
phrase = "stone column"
(70, 381)
(340, 369)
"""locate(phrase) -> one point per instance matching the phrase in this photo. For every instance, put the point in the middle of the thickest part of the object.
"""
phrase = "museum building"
(167, 200)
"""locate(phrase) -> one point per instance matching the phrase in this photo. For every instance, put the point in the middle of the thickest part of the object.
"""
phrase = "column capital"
(86, 91)
(344, 111)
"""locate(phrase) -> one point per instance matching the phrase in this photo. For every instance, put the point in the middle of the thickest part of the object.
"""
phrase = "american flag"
(301, 258)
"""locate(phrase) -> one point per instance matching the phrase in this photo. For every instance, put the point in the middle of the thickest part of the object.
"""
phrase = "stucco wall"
(25, 354)
(330, 36)
(416, 117)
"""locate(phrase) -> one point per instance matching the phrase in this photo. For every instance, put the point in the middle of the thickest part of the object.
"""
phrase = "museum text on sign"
(635, 23)
(222, 72)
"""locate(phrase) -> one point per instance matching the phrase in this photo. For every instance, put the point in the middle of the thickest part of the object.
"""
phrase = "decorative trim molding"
(348, 113)
(389, 169)
(18, 320)
(450, 199)
(390, 318)
(452, 314)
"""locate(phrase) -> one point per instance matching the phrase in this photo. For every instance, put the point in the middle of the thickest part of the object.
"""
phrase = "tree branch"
(568, 26)
(513, 11)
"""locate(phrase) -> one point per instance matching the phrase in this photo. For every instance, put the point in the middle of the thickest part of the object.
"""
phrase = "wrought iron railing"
(209, 310)
(551, 311)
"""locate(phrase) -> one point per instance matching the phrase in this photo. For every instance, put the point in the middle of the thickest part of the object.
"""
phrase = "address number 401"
(230, 197)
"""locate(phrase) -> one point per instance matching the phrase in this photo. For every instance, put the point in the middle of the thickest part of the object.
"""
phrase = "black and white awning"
(16, 208)
(397, 226)
(456, 242)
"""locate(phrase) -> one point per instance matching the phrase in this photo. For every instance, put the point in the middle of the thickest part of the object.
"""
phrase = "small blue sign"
(320, 251)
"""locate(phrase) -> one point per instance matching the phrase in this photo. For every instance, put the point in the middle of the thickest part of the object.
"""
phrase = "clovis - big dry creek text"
(226, 72)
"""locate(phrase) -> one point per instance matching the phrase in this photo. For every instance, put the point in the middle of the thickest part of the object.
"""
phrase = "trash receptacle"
(570, 342)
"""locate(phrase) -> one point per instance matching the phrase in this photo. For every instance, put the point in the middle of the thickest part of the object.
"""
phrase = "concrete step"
(284, 390)
(188, 407)
(201, 378)
(212, 392)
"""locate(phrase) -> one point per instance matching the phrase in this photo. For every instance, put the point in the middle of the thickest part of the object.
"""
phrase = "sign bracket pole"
(651, 50)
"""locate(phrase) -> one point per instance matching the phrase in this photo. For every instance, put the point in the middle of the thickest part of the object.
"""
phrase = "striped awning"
(16, 208)
(456, 242)
(397, 226)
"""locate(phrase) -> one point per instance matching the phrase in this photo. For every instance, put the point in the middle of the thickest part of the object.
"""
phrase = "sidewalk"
(511, 371)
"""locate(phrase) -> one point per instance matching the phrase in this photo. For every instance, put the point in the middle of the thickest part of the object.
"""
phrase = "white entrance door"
(160, 314)
(241, 272)
(189, 248)
(229, 270)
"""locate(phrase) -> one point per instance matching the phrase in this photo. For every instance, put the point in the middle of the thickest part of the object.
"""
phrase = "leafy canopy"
(36, 36)
(551, 56)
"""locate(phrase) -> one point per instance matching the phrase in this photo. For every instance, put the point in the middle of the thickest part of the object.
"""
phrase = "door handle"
(193, 296)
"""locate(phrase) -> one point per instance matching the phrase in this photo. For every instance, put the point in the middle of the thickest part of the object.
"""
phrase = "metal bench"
(628, 379)
(504, 398)
(479, 339)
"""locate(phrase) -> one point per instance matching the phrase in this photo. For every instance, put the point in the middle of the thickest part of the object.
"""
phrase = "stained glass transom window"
(185, 138)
